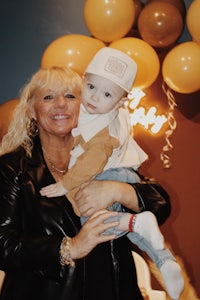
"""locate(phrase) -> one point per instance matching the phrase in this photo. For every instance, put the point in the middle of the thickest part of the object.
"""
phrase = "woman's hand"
(91, 235)
(95, 195)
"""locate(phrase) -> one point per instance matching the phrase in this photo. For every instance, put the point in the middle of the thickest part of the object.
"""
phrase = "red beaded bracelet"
(130, 224)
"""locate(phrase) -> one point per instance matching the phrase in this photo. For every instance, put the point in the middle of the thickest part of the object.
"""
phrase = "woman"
(43, 249)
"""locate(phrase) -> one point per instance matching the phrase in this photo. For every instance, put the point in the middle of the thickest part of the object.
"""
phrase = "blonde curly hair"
(19, 128)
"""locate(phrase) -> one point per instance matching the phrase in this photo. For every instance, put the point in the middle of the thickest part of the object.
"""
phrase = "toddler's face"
(100, 95)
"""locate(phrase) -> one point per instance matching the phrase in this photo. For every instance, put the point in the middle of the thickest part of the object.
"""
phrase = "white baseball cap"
(114, 65)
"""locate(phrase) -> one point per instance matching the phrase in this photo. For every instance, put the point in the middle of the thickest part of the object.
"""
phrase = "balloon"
(160, 24)
(73, 50)
(6, 113)
(180, 5)
(193, 20)
(181, 68)
(109, 20)
(144, 55)
(138, 8)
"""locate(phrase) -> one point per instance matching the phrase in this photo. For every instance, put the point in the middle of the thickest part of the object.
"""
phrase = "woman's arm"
(95, 195)
(100, 194)
(22, 249)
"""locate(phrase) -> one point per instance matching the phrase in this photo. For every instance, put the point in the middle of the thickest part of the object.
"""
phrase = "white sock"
(146, 225)
(171, 273)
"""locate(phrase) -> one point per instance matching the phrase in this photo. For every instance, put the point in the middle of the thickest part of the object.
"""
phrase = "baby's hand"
(53, 190)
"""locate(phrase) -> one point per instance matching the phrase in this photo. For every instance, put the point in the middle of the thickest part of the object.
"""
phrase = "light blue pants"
(127, 175)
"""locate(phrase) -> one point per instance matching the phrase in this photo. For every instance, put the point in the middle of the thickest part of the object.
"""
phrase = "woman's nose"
(61, 100)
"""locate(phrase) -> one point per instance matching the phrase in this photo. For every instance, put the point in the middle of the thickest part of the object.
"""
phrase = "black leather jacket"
(31, 230)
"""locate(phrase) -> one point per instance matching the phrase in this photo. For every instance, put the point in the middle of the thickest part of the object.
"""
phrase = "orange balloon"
(144, 55)
(109, 20)
(6, 113)
(73, 50)
(138, 8)
(178, 3)
(193, 20)
(181, 68)
(160, 24)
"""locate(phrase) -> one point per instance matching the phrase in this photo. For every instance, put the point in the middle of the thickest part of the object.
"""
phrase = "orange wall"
(182, 180)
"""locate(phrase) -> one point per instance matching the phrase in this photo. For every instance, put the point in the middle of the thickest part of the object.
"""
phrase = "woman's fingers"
(91, 233)
(94, 195)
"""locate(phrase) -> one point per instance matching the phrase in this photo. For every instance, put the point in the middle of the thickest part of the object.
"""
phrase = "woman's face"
(56, 110)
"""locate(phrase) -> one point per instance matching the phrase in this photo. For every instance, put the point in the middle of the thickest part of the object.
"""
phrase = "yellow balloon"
(109, 20)
(73, 50)
(181, 68)
(193, 20)
(144, 55)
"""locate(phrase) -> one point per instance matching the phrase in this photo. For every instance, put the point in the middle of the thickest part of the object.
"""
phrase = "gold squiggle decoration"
(172, 126)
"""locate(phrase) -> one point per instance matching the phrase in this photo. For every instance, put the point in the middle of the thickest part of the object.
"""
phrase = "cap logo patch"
(115, 66)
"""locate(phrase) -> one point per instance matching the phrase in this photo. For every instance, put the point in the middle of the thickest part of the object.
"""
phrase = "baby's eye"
(107, 94)
(48, 97)
(91, 86)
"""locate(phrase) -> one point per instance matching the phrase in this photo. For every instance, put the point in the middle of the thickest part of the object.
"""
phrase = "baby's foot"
(171, 273)
(146, 225)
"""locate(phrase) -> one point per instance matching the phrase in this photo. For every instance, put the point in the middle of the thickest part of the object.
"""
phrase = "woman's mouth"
(61, 117)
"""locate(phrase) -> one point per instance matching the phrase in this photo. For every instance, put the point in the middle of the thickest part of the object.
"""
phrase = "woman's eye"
(48, 97)
(69, 96)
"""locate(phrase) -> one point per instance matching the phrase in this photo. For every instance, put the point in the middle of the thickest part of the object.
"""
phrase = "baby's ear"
(122, 101)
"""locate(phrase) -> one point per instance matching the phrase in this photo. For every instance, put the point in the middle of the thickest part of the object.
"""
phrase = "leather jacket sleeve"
(153, 197)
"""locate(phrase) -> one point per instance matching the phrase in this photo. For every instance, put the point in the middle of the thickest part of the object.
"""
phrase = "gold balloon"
(160, 24)
(144, 55)
(138, 8)
(181, 68)
(73, 50)
(6, 114)
(193, 20)
(109, 20)
(180, 4)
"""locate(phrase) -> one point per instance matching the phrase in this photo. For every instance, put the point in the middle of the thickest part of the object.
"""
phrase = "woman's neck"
(56, 153)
